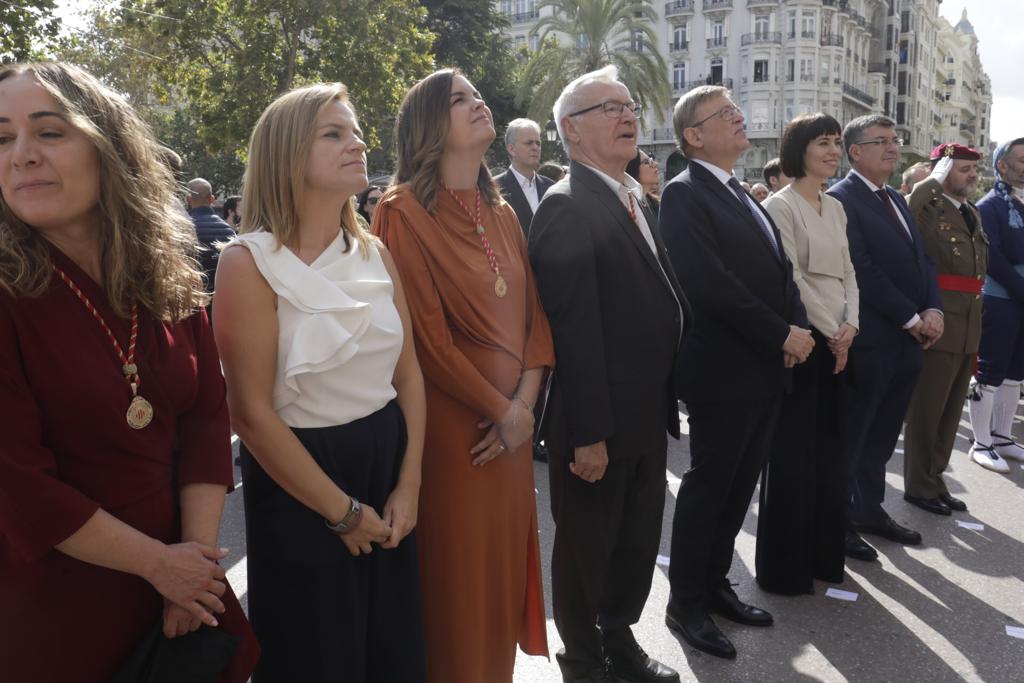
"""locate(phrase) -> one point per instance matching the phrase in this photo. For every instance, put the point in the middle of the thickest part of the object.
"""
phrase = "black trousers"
(320, 614)
(801, 522)
(729, 442)
(606, 543)
(880, 382)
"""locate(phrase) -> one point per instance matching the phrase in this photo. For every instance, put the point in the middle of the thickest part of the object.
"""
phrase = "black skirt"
(320, 614)
(801, 525)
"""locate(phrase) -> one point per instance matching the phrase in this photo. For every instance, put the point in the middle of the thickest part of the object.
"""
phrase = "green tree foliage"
(584, 35)
(471, 36)
(205, 71)
(25, 27)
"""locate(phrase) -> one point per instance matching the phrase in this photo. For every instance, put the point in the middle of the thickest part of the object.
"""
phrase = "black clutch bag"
(197, 657)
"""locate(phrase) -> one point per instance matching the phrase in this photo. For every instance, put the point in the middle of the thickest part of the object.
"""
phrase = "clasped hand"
(190, 580)
(798, 346)
(928, 329)
(514, 429)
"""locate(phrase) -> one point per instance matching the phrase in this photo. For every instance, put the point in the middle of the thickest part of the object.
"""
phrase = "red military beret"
(955, 150)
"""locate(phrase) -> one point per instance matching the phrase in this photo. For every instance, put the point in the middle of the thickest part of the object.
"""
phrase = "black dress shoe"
(725, 603)
(953, 503)
(631, 664)
(858, 549)
(697, 629)
(573, 673)
(933, 505)
(540, 452)
(891, 530)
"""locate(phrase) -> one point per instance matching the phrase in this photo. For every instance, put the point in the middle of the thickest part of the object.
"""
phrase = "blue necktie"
(754, 211)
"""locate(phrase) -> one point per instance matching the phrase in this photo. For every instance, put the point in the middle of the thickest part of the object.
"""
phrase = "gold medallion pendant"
(140, 413)
(500, 287)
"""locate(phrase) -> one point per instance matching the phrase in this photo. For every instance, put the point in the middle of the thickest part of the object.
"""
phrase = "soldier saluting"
(951, 230)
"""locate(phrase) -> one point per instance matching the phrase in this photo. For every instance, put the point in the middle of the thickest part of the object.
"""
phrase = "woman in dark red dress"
(115, 456)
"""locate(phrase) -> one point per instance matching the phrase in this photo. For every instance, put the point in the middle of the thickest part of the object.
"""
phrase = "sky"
(998, 24)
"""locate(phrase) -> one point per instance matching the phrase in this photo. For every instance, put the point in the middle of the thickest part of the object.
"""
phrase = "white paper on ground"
(970, 525)
(663, 560)
(840, 594)
(1015, 631)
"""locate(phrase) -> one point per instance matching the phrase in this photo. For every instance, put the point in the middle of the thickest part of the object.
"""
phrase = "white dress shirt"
(529, 186)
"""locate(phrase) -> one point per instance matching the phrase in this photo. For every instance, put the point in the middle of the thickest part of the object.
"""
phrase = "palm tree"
(619, 32)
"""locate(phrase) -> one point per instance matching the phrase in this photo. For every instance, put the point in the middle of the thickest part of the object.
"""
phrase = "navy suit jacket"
(513, 193)
(739, 285)
(895, 277)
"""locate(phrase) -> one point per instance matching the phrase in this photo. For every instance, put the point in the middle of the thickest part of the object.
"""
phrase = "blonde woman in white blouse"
(801, 523)
(327, 396)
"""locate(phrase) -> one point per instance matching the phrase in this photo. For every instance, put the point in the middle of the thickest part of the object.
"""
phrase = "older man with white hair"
(521, 185)
(617, 314)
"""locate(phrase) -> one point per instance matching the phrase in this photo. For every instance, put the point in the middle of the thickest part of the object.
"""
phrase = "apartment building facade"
(781, 58)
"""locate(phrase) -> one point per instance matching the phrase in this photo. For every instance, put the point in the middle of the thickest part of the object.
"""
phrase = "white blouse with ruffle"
(339, 333)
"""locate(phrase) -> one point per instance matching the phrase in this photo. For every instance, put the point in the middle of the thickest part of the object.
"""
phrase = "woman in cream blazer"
(801, 523)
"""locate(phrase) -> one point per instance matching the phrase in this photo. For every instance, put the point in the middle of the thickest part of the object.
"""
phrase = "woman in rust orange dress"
(484, 346)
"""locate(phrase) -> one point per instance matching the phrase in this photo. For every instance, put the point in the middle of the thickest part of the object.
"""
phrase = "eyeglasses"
(612, 109)
(882, 142)
(728, 113)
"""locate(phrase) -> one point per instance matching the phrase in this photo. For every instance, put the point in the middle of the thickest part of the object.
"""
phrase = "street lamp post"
(551, 135)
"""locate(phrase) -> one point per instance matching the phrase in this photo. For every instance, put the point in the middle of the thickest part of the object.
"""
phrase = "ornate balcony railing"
(524, 17)
(967, 127)
(832, 41)
(679, 46)
(858, 94)
(717, 4)
(717, 42)
(678, 7)
(760, 38)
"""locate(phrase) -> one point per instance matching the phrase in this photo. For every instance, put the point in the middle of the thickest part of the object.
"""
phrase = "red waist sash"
(961, 283)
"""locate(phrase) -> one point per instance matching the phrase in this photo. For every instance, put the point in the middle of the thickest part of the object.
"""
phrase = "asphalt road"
(936, 612)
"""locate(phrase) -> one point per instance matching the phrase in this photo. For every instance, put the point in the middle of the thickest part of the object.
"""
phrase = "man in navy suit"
(749, 327)
(900, 314)
(521, 185)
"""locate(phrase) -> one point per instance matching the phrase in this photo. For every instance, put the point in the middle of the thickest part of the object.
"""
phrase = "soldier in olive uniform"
(951, 229)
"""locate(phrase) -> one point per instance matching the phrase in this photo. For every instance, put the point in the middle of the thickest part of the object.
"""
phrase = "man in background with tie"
(749, 329)
(951, 230)
(900, 314)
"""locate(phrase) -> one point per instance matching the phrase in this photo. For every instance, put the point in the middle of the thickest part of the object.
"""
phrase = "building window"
(679, 37)
(789, 70)
(678, 76)
(582, 41)
(792, 23)
(761, 71)
(534, 42)
(905, 21)
(901, 113)
(761, 26)
(718, 31)
(638, 41)
(806, 69)
(506, 6)
(807, 19)
(520, 42)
